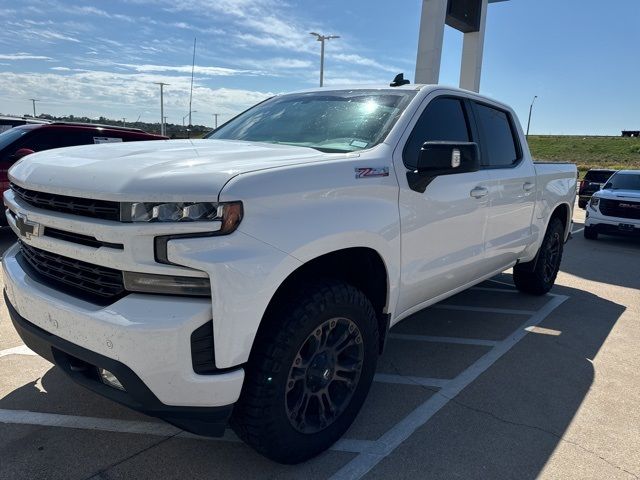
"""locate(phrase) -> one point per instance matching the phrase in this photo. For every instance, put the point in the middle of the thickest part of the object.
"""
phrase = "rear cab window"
(500, 144)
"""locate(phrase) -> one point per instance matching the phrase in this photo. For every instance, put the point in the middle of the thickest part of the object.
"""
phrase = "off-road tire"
(539, 279)
(260, 416)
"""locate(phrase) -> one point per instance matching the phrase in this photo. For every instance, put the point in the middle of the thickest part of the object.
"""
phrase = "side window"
(444, 119)
(48, 139)
(499, 141)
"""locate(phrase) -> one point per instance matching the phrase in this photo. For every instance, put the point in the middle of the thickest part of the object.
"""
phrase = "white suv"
(615, 210)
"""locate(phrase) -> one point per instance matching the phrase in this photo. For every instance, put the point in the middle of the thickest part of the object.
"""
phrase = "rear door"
(442, 224)
(512, 185)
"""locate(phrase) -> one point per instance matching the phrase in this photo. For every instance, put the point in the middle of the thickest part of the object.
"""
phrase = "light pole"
(34, 100)
(215, 118)
(162, 117)
(530, 111)
(321, 39)
(124, 122)
(188, 115)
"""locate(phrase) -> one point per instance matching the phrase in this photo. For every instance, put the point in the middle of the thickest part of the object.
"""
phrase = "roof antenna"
(399, 80)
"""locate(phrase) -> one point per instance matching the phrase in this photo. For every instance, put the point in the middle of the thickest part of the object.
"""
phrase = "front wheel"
(538, 278)
(310, 372)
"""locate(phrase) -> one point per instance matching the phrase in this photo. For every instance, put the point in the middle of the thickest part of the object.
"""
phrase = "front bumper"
(611, 225)
(147, 336)
(81, 365)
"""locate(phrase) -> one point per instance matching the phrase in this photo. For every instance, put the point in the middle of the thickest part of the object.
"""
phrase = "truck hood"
(161, 170)
(618, 194)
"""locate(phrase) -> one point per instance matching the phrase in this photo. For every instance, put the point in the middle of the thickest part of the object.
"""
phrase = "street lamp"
(321, 39)
(530, 110)
(162, 117)
(188, 115)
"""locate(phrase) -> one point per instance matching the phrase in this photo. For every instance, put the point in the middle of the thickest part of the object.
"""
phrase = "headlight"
(166, 284)
(594, 202)
(169, 212)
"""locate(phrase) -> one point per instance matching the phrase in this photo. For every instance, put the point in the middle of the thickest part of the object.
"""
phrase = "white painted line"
(500, 282)
(577, 231)
(161, 429)
(387, 443)
(21, 350)
(456, 340)
(407, 380)
(506, 311)
(496, 290)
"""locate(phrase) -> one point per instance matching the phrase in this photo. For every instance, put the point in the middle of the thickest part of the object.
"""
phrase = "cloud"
(354, 59)
(23, 56)
(96, 92)
(61, 69)
(200, 70)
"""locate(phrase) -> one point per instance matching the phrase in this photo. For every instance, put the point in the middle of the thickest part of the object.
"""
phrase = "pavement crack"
(510, 422)
(99, 475)
(559, 437)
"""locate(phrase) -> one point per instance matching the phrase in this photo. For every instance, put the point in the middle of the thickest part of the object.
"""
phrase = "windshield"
(11, 135)
(624, 181)
(332, 121)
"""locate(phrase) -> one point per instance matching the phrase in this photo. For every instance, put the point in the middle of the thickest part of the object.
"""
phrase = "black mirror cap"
(447, 158)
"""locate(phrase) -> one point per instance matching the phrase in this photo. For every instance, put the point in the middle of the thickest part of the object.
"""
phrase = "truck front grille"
(620, 208)
(85, 207)
(93, 283)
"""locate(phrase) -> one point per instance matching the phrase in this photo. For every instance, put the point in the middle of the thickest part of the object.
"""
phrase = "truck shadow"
(506, 424)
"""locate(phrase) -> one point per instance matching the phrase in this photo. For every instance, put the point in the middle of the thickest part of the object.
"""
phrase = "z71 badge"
(367, 172)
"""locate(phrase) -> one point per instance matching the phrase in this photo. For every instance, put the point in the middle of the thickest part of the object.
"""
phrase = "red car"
(25, 139)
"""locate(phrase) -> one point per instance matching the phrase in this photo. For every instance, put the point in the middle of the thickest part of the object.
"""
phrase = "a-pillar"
(472, 51)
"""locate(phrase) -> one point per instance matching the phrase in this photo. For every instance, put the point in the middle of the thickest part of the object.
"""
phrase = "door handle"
(479, 192)
(528, 186)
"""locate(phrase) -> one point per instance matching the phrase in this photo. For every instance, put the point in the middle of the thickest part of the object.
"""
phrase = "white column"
(432, 22)
(472, 51)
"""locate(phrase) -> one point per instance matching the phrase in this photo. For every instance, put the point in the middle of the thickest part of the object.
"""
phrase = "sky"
(91, 58)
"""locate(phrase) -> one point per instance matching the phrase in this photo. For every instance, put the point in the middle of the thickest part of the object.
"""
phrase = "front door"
(442, 223)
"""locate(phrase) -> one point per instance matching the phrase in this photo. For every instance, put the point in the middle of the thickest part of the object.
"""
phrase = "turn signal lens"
(166, 284)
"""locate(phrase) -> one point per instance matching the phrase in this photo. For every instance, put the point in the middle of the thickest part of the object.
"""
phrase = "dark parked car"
(25, 139)
(593, 181)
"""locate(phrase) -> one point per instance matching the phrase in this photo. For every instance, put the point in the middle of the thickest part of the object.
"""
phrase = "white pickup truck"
(250, 278)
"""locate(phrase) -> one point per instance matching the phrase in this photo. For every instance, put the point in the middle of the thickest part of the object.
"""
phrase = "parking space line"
(407, 380)
(577, 231)
(500, 282)
(161, 429)
(21, 350)
(393, 438)
(496, 290)
(456, 340)
(507, 311)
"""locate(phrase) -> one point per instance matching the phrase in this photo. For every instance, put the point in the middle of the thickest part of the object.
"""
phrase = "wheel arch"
(361, 267)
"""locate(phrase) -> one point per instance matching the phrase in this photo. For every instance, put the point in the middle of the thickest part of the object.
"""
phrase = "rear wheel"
(590, 233)
(538, 277)
(309, 373)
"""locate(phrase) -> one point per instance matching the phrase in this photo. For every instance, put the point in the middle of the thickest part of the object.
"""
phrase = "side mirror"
(447, 158)
(22, 152)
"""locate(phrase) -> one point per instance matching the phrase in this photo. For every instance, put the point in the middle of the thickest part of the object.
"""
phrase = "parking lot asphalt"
(490, 383)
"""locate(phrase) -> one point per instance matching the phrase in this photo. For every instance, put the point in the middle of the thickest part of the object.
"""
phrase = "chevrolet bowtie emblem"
(27, 228)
